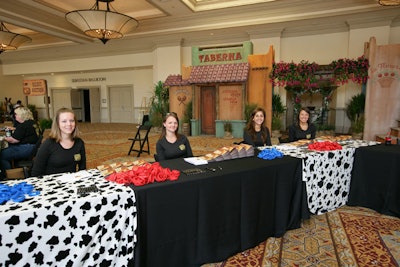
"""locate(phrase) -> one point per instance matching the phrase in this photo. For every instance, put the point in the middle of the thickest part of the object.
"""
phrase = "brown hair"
(164, 131)
(250, 128)
(298, 116)
(55, 132)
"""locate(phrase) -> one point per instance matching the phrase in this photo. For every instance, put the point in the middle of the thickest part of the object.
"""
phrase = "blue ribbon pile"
(270, 153)
(16, 192)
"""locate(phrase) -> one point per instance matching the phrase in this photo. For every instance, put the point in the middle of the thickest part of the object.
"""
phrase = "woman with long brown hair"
(255, 132)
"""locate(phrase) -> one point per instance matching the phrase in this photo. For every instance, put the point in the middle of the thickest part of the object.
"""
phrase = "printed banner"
(34, 87)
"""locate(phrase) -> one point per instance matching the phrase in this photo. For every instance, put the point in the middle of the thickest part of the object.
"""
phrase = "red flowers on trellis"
(305, 76)
(145, 174)
(346, 69)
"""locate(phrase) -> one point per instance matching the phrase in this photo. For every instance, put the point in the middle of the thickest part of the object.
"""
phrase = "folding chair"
(26, 164)
(142, 136)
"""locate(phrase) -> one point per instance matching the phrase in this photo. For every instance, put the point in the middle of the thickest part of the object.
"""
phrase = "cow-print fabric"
(60, 227)
(327, 175)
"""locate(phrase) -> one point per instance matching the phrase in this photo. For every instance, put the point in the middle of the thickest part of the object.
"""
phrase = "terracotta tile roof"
(226, 73)
(176, 80)
(220, 73)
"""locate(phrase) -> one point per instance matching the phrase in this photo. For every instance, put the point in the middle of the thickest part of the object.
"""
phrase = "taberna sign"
(222, 54)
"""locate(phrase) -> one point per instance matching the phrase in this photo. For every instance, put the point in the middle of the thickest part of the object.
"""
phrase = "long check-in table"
(60, 227)
(375, 179)
(210, 216)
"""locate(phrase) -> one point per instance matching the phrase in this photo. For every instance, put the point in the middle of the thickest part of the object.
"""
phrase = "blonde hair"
(55, 132)
(24, 113)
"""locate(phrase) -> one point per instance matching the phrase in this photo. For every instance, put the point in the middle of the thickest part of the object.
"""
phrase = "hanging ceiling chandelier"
(10, 40)
(102, 24)
(389, 2)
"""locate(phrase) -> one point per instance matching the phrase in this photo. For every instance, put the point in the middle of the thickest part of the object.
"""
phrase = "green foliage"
(159, 104)
(228, 126)
(277, 106)
(248, 109)
(355, 107)
(325, 127)
(276, 124)
(358, 125)
(45, 124)
(277, 110)
(355, 112)
(34, 111)
(188, 114)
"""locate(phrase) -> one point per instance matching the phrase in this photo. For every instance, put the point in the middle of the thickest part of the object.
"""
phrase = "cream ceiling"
(185, 22)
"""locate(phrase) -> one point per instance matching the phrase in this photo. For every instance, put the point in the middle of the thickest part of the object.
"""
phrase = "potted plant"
(228, 129)
(355, 113)
(248, 109)
(45, 124)
(159, 105)
(277, 110)
(187, 115)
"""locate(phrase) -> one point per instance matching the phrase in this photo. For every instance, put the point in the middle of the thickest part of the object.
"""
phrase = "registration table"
(327, 174)
(60, 227)
(207, 217)
(375, 180)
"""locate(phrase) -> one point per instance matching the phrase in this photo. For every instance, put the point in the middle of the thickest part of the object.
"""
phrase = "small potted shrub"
(277, 111)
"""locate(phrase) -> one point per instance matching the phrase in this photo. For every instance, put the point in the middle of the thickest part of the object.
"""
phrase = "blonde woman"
(63, 151)
(22, 140)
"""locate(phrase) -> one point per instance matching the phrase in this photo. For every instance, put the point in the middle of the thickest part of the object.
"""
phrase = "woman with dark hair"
(172, 144)
(22, 140)
(255, 132)
(63, 151)
(303, 128)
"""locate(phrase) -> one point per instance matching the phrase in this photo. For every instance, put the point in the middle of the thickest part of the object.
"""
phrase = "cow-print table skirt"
(327, 175)
(61, 227)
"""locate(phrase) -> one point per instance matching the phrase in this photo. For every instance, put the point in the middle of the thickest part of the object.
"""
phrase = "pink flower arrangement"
(304, 77)
(294, 75)
(346, 69)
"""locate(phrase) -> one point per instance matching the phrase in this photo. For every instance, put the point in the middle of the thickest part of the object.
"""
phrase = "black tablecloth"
(375, 181)
(210, 216)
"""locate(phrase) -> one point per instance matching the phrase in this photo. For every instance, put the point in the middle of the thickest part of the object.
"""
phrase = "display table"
(62, 228)
(327, 174)
(375, 179)
(210, 216)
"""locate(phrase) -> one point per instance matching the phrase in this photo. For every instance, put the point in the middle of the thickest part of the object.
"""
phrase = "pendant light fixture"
(10, 40)
(389, 2)
(102, 24)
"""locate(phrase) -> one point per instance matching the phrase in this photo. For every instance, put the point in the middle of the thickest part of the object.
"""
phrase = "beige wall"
(144, 69)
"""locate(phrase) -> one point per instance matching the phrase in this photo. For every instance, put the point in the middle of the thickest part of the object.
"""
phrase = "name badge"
(77, 157)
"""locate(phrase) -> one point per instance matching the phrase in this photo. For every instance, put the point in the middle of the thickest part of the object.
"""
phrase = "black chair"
(142, 136)
(26, 164)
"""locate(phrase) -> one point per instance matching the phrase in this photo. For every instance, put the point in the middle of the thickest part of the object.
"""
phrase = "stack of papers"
(196, 161)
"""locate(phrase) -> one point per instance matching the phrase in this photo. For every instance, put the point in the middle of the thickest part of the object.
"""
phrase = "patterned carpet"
(349, 236)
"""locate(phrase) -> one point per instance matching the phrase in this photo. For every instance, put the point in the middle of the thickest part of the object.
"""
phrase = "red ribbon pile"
(144, 174)
(324, 146)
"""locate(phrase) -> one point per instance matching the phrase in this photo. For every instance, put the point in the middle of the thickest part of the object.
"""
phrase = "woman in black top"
(303, 128)
(172, 144)
(63, 151)
(256, 133)
(22, 140)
